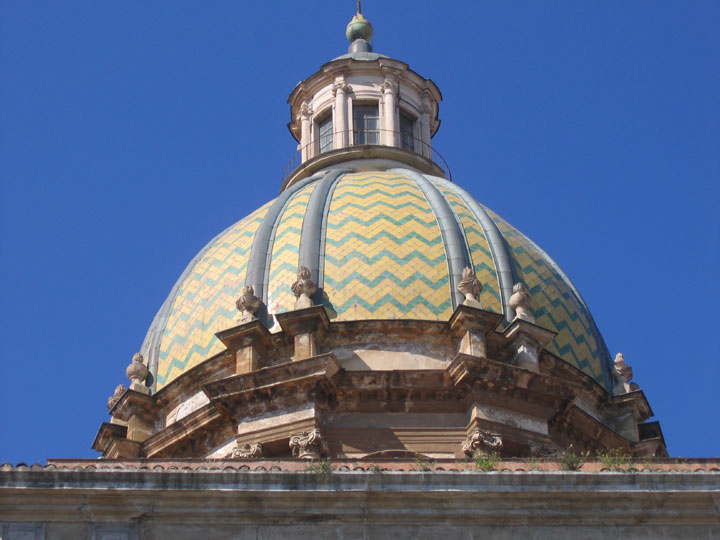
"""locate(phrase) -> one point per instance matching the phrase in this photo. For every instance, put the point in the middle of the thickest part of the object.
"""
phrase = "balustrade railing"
(369, 137)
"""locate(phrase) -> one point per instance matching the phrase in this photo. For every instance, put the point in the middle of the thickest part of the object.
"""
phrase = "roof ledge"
(375, 156)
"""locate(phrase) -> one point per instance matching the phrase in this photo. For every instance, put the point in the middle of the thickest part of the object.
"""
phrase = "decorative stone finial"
(308, 445)
(359, 32)
(112, 400)
(359, 28)
(470, 286)
(248, 451)
(303, 288)
(623, 374)
(481, 442)
(520, 302)
(138, 373)
(247, 304)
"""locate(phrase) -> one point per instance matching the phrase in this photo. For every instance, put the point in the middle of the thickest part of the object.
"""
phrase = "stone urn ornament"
(303, 288)
(112, 400)
(138, 373)
(623, 374)
(471, 287)
(520, 302)
(247, 304)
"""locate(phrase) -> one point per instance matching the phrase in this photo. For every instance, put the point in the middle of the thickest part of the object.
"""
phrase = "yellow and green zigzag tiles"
(554, 304)
(384, 259)
(285, 253)
(205, 301)
(384, 256)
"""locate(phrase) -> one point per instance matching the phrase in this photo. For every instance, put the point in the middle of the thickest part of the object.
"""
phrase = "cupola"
(363, 111)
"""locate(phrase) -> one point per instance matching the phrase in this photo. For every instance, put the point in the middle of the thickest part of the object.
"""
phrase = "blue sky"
(133, 132)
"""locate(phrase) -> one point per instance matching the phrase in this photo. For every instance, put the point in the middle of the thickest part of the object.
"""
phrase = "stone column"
(424, 120)
(306, 149)
(389, 118)
(340, 118)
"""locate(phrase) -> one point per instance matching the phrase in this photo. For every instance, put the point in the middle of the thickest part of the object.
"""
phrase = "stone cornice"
(135, 403)
(251, 333)
(501, 377)
(106, 434)
(507, 498)
(273, 387)
(470, 318)
(178, 431)
(573, 423)
(311, 319)
(218, 366)
(635, 400)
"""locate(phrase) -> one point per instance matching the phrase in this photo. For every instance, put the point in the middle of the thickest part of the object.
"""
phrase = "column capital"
(306, 110)
(342, 87)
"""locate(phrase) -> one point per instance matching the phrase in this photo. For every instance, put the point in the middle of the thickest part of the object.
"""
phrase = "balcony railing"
(371, 137)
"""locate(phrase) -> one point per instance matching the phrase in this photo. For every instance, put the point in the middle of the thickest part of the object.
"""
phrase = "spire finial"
(359, 32)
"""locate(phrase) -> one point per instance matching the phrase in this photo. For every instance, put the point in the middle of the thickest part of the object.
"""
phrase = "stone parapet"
(153, 498)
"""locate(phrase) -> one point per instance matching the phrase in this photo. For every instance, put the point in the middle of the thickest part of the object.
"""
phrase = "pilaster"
(526, 340)
(471, 325)
(250, 343)
(140, 412)
(307, 327)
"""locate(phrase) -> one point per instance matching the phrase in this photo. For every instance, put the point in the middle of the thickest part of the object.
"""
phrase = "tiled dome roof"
(380, 245)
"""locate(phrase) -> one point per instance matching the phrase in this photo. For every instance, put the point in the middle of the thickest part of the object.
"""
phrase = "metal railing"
(368, 137)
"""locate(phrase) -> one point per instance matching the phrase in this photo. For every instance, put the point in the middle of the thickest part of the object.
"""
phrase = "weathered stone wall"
(150, 504)
(310, 531)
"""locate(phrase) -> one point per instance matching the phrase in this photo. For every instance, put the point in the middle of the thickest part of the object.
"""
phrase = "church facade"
(371, 354)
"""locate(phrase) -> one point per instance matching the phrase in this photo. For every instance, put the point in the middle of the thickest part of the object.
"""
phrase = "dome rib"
(310, 237)
(498, 247)
(261, 251)
(323, 233)
(454, 240)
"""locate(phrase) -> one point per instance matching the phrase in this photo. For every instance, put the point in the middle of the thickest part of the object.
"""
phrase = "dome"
(380, 244)
(373, 310)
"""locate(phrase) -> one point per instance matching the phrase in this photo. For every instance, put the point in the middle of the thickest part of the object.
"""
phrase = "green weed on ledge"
(321, 467)
(571, 461)
(615, 460)
(486, 462)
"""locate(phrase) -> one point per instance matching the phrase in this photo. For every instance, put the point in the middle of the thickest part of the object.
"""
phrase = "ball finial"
(359, 28)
